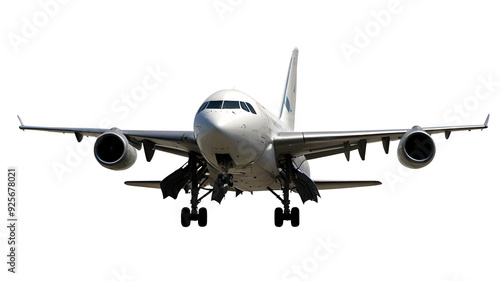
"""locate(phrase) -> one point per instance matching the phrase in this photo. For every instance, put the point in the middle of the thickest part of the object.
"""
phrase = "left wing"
(176, 142)
(320, 144)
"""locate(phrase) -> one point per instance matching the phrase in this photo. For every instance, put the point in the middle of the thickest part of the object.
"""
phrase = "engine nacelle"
(113, 151)
(416, 148)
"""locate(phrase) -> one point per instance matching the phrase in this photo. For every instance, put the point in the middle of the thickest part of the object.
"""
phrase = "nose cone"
(218, 131)
(226, 135)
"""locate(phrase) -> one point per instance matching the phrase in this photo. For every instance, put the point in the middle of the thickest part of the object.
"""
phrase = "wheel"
(221, 179)
(295, 217)
(278, 217)
(202, 217)
(185, 217)
(230, 180)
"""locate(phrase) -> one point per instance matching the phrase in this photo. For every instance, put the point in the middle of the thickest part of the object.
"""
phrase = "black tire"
(278, 217)
(230, 180)
(221, 179)
(185, 217)
(295, 217)
(202, 217)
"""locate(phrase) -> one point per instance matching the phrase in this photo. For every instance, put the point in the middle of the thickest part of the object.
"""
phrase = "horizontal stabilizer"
(150, 184)
(321, 185)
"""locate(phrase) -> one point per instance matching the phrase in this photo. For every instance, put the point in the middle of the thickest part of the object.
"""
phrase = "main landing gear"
(282, 214)
(193, 214)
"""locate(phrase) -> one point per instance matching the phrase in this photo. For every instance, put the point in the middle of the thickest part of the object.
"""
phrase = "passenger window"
(215, 104)
(251, 108)
(244, 106)
(203, 106)
(230, 104)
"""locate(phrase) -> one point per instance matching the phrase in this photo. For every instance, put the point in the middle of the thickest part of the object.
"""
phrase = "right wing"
(176, 142)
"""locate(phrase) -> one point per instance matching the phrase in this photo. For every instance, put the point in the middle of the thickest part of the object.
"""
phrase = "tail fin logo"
(287, 104)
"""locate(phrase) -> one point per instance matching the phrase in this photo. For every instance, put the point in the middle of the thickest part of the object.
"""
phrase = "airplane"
(238, 145)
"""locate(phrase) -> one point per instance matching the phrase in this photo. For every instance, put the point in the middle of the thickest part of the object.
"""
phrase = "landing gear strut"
(194, 214)
(281, 214)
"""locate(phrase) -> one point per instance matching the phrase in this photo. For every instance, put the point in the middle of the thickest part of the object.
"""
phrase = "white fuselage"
(234, 138)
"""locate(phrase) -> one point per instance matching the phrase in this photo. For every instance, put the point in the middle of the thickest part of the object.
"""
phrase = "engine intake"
(416, 148)
(113, 151)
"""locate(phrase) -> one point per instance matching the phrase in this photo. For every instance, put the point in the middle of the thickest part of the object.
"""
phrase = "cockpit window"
(251, 108)
(244, 106)
(215, 104)
(229, 104)
(203, 106)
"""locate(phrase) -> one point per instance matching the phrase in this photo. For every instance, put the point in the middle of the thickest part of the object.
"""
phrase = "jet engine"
(113, 151)
(416, 148)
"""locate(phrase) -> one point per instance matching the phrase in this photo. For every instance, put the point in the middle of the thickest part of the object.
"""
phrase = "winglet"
(486, 122)
(21, 121)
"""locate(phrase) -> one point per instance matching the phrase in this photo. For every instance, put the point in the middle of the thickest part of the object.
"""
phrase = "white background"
(438, 223)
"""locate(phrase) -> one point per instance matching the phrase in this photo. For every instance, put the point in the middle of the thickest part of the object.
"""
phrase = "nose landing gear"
(221, 186)
(223, 179)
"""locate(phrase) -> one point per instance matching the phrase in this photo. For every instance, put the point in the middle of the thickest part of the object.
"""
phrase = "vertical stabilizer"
(287, 114)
